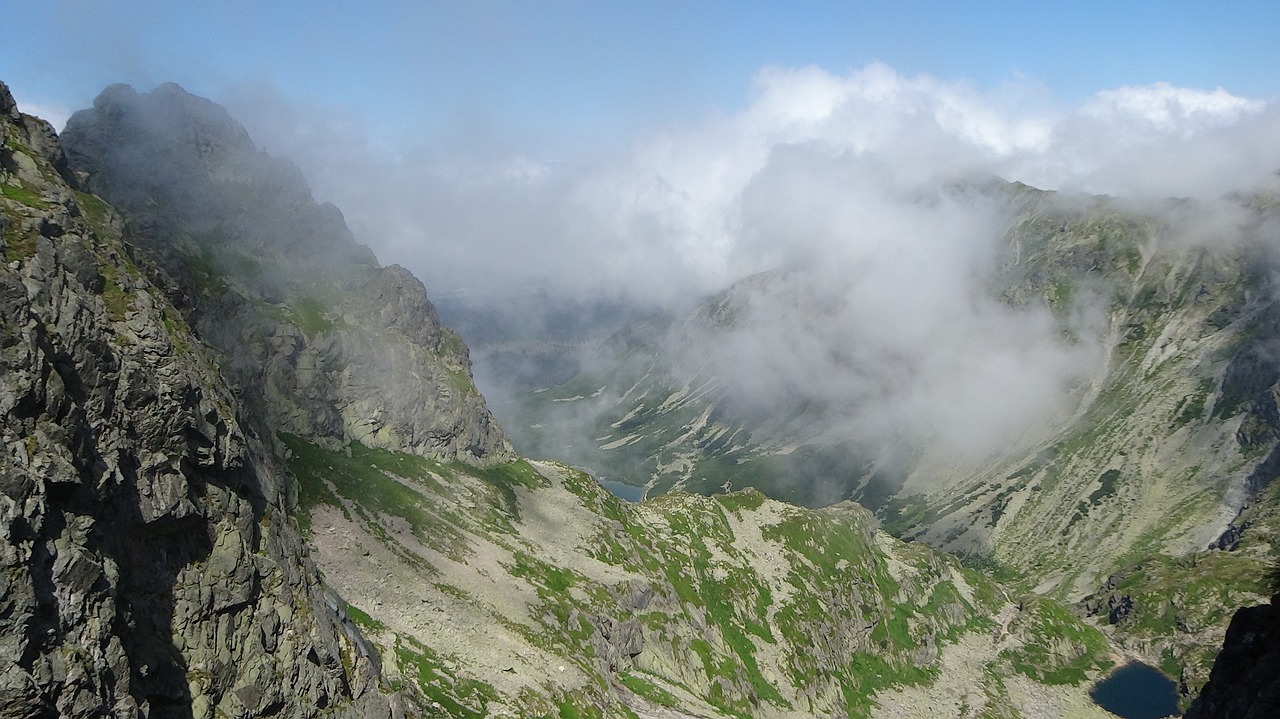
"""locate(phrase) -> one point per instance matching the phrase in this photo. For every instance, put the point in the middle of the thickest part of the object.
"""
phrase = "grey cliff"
(318, 337)
(150, 565)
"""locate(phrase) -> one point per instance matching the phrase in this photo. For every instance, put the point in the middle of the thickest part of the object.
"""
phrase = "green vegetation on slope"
(840, 613)
(448, 694)
(1061, 649)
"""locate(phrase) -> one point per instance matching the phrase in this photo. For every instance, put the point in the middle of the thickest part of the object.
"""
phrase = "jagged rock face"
(1245, 683)
(149, 563)
(318, 337)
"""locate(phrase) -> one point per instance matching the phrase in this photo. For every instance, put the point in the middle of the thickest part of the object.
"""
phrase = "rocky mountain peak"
(184, 121)
(330, 345)
(7, 105)
(33, 141)
(148, 563)
(182, 161)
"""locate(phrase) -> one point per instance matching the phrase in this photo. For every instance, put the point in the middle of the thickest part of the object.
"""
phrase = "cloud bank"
(677, 213)
(855, 178)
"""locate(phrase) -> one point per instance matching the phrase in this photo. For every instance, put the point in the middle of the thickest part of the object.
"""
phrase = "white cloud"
(852, 176)
(677, 213)
(1171, 110)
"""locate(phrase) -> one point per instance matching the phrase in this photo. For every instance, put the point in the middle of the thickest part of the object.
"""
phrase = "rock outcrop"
(318, 338)
(150, 564)
(1245, 682)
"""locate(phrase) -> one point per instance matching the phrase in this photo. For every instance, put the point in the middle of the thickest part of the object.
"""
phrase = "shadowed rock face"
(1245, 683)
(317, 337)
(149, 565)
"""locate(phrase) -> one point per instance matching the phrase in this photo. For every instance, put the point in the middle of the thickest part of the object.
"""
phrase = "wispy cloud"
(851, 176)
(679, 211)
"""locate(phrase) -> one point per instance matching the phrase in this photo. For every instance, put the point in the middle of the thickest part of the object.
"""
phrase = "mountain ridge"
(150, 565)
(351, 350)
(1154, 457)
(290, 524)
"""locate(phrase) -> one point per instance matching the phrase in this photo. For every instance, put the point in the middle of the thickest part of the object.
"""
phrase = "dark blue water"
(623, 491)
(1137, 691)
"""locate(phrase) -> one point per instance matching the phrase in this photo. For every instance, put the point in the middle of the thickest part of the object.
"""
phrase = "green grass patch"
(1060, 648)
(459, 697)
(1109, 480)
(363, 478)
(461, 381)
(1191, 409)
(551, 578)
(118, 302)
(95, 211)
(567, 708)
(23, 196)
(649, 690)
(867, 674)
(370, 480)
(311, 316)
(362, 618)
(901, 515)
(19, 246)
(743, 500)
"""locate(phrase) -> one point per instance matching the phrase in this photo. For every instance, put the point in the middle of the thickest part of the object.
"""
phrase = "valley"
(248, 471)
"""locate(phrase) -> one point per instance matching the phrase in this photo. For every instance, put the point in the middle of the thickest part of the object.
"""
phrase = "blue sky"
(555, 69)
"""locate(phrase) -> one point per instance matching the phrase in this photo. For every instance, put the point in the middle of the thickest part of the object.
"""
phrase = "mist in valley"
(879, 197)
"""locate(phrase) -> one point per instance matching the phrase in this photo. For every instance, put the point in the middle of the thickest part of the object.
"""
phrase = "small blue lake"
(629, 492)
(1137, 691)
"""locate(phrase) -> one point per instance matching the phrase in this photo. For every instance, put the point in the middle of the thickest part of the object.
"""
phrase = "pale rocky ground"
(958, 691)
(476, 626)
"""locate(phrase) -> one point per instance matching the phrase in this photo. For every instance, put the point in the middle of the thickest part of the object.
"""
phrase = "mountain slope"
(320, 339)
(1150, 460)
(1156, 445)
(529, 590)
(150, 565)
(691, 402)
(1164, 429)
(154, 400)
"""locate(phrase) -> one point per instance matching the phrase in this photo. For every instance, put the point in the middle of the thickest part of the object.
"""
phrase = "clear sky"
(555, 68)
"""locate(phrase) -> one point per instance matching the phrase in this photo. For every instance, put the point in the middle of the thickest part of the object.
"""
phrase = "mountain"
(150, 563)
(323, 341)
(529, 590)
(247, 474)
(1138, 481)
(1244, 682)
(1134, 505)
(677, 402)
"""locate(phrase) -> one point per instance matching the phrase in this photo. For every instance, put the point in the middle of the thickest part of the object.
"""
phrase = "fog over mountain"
(865, 361)
(867, 181)
(683, 209)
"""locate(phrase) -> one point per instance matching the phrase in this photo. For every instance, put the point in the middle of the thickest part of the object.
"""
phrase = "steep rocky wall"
(320, 339)
(149, 564)
(1245, 683)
